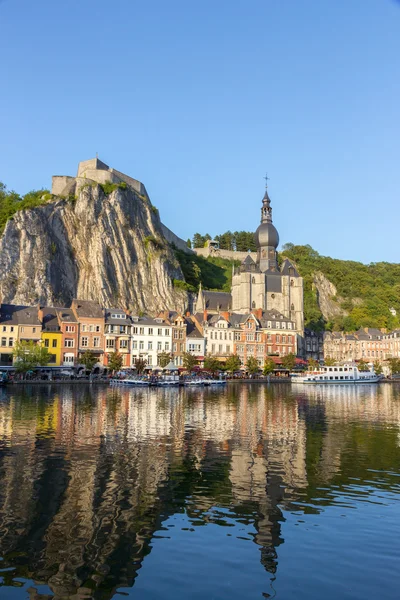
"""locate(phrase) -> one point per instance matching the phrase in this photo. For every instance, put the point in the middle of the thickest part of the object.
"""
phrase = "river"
(252, 491)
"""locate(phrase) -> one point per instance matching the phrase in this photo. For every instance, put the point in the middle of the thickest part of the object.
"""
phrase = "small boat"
(214, 381)
(137, 381)
(337, 374)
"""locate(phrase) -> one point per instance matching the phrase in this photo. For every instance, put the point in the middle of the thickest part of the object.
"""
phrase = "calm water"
(247, 492)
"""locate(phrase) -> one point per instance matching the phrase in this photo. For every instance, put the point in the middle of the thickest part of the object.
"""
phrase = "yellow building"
(51, 335)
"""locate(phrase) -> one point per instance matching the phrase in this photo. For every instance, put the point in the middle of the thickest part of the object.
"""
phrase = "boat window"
(345, 369)
(336, 377)
(335, 368)
(330, 377)
(340, 369)
(341, 377)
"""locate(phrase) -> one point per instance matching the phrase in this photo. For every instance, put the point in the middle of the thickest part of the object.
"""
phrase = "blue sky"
(199, 99)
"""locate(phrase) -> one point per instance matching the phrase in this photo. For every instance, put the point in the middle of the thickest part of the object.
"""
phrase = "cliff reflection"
(89, 475)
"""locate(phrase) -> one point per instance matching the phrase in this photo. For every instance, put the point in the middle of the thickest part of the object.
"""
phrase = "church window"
(292, 282)
(253, 280)
(292, 306)
(253, 304)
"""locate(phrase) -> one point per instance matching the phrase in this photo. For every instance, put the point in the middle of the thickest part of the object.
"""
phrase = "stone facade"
(368, 344)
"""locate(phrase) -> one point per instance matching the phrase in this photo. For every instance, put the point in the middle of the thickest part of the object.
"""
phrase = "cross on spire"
(266, 180)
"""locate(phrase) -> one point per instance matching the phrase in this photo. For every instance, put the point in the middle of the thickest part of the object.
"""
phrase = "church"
(260, 284)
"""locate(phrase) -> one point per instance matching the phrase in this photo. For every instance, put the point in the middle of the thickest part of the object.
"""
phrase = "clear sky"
(199, 99)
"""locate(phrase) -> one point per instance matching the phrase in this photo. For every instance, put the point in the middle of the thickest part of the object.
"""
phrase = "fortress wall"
(229, 254)
(174, 239)
(59, 182)
(134, 183)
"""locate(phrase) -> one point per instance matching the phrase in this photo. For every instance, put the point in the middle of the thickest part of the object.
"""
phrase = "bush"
(109, 187)
(11, 202)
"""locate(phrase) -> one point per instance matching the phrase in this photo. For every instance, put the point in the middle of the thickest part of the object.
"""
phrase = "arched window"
(292, 307)
(292, 282)
(253, 304)
(253, 280)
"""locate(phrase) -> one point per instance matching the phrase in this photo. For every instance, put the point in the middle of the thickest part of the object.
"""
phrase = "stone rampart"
(59, 183)
(174, 239)
(229, 254)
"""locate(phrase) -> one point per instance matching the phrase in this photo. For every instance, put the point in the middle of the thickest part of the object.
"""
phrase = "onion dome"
(266, 234)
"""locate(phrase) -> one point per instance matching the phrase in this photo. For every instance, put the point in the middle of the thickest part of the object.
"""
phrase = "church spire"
(266, 210)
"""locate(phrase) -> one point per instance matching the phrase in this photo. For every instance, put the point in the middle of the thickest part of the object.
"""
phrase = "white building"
(149, 338)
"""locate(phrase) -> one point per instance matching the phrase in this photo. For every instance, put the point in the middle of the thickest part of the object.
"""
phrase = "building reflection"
(88, 475)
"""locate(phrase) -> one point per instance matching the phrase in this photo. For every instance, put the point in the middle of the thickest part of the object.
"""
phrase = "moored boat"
(337, 374)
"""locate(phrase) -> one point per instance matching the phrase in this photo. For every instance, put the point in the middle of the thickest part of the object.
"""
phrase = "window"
(90, 327)
(135, 330)
(11, 329)
(4, 341)
(181, 347)
(175, 334)
(33, 329)
(110, 343)
(289, 339)
(174, 347)
(84, 342)
(46, 343)
(167, 332)
(278, 324)
(253, 304)
(269, 324)
(141, 330)
(159, 345)
(123, 343)
(269, 349)
(70, 329)
(149, 360)
(167, 345)
(68, 359)
(69, 343)
(22, 329)
(4, 328)
(134, 345)
(150, 346)
(278, 338)
(237, 336)
(284, 339)
(220, 348)
(10, 342)
(150, 331)
(213, 348)
(54, 344)
(96, 342)
(159, 331)
(141, 345)
(83, 327)
(181, 335)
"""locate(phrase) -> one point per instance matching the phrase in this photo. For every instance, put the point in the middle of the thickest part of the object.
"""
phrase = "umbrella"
(170, 367)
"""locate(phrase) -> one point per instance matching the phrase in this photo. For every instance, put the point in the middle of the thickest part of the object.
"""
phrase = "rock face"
(107, 248)
(328, 300)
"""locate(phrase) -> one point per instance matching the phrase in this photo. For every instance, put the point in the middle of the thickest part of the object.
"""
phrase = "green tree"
(88, 359)
(289, 361)
(163, 359)
(233, 363)
(189, 361)
(269, 366)
(115, 361)
(329, 362)
(378, 368)
(189, 243)
(362, 365)
(312, 364)
(212, 364)
(252, 365)
(394, 364)
(140, 365)
(28, 355)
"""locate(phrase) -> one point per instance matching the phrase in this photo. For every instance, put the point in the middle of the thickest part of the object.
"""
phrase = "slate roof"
(50, 320)
(192, 330)
(8, 314)
(88, 309)
(217, 300)
(22, 315)
(109, 320)
(273, 315)
(286, 265)
(66, 315)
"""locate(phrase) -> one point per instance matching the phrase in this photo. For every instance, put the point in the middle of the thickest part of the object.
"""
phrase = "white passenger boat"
(338, 374)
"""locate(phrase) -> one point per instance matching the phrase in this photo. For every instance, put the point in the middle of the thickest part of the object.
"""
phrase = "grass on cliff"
(367, 292)
(11, 202)
(213, 273)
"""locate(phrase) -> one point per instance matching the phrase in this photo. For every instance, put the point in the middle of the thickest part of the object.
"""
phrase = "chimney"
(187, 314)
(226, 315)
(205, 315)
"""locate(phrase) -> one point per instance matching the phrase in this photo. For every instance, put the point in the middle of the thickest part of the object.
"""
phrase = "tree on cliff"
(28, 355)
(115, 361)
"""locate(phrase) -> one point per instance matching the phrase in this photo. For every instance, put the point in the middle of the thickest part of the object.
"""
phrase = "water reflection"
(91, 477)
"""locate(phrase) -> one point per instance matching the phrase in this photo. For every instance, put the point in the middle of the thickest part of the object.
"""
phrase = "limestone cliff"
(327, 298)
(108, 248)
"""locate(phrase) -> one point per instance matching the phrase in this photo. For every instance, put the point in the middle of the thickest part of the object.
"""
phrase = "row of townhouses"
(369, 344)
(68, 333)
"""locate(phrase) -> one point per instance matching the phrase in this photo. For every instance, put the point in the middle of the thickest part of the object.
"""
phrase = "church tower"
(261, 283)
(267, 238)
